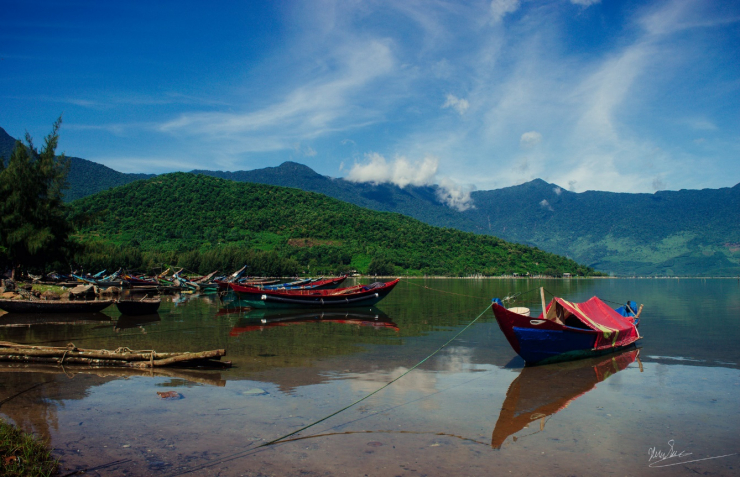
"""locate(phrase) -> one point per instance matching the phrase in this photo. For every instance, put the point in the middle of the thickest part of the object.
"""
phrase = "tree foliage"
(194, 217)
(34, 230)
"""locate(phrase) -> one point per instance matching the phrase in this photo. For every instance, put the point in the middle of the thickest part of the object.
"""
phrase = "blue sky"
(620, 96)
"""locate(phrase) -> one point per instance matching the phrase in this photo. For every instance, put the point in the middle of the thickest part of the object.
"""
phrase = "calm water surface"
(472, 409)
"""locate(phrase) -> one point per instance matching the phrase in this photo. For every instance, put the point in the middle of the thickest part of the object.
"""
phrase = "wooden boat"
(358, 295)
(223, 285)
(567, 330)
(319, 284)
(100, 283)
(541, 391)
(145, 306)
(54, 306)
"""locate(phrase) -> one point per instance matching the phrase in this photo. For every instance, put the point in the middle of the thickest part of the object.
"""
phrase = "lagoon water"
(668, 408)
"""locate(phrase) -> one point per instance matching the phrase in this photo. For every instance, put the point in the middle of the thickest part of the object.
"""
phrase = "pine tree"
(34, 230)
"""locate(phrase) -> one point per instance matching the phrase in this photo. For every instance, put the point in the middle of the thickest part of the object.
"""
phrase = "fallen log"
(122, 357)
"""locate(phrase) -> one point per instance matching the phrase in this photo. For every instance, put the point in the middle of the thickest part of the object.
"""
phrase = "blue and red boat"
(568, 330)
(357, 295)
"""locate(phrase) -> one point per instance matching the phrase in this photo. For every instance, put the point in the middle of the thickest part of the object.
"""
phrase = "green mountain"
(418, 202)
(181, 212)
(85, 177)
(687, 232)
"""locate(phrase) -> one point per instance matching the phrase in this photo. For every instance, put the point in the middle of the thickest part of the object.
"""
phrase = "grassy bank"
(23, 454)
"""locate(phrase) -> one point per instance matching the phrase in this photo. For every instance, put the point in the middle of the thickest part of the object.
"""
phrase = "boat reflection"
(30, 319)
(541, 391)
(126, 322)
(257, 320)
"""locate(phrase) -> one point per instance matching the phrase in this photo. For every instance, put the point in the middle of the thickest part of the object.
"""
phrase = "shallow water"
(472, 409)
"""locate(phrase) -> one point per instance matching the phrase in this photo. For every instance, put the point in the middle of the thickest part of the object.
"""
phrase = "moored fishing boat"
(317, 284)
(358, 295)
(566, 330)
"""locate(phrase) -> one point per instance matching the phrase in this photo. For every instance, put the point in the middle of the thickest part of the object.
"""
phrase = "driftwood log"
(121, 357)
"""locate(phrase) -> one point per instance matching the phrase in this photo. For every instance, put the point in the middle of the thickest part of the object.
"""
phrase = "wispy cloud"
(326, 104)
(492, 92)
(402, 172)
(530, 139)
(500, 8)
(458, 104)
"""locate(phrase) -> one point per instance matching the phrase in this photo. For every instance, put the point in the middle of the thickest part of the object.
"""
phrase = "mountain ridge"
(688, 232)
(85, 177)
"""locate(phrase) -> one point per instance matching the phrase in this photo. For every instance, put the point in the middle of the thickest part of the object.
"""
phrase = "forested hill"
(418, 202)
(686, 232)
(187, 211)
(85, 177)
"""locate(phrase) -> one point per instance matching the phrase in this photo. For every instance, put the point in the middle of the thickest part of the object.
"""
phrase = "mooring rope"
(253, 450)
(274, 441)
(443, 291)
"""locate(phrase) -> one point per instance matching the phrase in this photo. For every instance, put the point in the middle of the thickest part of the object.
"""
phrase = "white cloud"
(499, 9)
(546, 205)
(455, 195)
(585, 3)
(327, 104)
(701, 124)
(530, 139)
(557, 190)
(402, 172)
(458, 104)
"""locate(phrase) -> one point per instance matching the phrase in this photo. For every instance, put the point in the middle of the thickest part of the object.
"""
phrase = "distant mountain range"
(85, 177)
(686, 232)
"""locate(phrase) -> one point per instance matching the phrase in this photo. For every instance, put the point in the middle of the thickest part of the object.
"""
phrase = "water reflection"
(258, 320)
(31, 319)
(126, 321)
(541, 391)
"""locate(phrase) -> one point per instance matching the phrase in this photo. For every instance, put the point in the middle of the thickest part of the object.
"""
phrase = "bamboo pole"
(544, 304)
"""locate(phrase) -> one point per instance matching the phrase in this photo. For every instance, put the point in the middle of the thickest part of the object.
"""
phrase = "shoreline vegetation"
(24, 455)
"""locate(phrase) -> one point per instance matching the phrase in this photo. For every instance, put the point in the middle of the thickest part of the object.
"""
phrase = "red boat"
(358, 295)
(567, 330)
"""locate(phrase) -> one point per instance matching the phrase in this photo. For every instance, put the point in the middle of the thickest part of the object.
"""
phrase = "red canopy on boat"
(615, 329)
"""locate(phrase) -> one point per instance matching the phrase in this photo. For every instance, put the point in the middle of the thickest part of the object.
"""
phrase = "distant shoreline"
(548, 278)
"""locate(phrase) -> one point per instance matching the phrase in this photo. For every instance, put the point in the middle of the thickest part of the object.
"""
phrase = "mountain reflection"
(541, 391)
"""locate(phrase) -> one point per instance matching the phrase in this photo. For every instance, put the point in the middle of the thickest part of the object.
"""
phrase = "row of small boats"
(563, 331)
